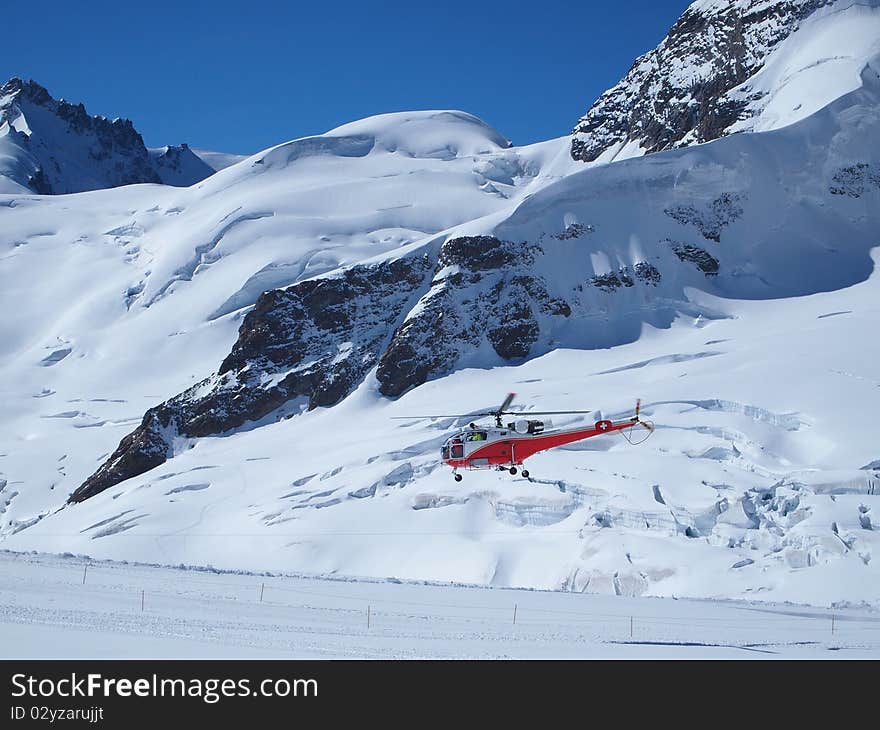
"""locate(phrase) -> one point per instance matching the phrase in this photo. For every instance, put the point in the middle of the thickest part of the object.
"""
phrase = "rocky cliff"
(680, 93)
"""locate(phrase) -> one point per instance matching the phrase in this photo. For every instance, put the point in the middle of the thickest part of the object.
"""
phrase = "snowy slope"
(732, 285)
(218, 160)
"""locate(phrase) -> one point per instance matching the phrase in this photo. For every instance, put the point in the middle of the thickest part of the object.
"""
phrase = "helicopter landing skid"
(512, 469)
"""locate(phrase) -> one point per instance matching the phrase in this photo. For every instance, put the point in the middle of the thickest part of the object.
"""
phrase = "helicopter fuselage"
(507, 448)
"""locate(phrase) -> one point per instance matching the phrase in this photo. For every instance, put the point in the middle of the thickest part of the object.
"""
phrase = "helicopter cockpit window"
(453, 448)
(476, 436)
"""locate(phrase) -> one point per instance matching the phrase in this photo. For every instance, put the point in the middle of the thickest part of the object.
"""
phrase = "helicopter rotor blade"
(502, 411)
(441, 415)
(506, 404)
(540, 413)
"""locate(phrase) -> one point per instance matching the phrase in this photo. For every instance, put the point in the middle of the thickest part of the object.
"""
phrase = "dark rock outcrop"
(679, 93)
(574, 230)
(143, 449)
(853, 180)
(709, 220)
(481, 293)
(647, 273)
(701, 258)
(312, 343)
(626, 277)
(613, 280)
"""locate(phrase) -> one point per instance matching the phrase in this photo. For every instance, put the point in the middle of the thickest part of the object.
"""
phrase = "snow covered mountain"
(51, 146)
(178, 165)
(224, 395)
(728, 66)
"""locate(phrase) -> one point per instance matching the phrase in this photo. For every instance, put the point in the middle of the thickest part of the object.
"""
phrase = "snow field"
(47, 610)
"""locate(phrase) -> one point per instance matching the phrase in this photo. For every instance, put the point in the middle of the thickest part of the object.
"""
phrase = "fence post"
(262, 588)
(630, 627)
(368, 615)
(514, 614)
(85, 570)
(142, 599)
(832, 623)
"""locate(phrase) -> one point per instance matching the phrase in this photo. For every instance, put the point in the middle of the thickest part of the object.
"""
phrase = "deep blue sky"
(239, 76)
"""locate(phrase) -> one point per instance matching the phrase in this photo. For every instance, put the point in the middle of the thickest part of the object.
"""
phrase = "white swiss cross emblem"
(603, 426)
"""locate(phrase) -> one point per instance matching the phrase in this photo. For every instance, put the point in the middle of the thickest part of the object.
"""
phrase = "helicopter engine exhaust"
(524, 426)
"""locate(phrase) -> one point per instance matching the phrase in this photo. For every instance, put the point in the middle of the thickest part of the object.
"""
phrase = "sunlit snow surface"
(140, 611)
(812, 67)
(760, 482)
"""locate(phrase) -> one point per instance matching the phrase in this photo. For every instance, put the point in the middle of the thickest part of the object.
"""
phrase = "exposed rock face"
(699, 257)
(573, 230)
(314, 341)
(854, 179)
(481, 293)
(612, 280)
(710, 221)
(678, 93)
(143, 449)
(642, 271)
(324, 335)
(648, 273)
(54, 147)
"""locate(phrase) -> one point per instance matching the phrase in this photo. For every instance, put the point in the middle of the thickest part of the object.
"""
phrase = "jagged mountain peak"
(30, 89)
(53, 146)
(16, 95)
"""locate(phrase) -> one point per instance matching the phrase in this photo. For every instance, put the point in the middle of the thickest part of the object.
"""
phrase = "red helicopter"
(506, 447)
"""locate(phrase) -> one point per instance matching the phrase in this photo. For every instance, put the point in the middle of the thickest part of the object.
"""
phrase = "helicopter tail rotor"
(637, 418)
